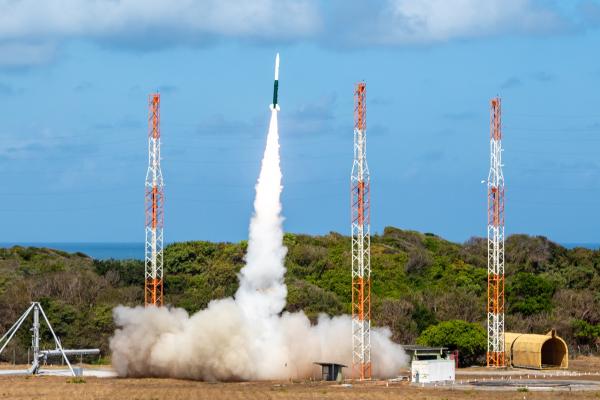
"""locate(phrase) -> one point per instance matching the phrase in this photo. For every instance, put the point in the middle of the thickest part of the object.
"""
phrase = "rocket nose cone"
(277, 67)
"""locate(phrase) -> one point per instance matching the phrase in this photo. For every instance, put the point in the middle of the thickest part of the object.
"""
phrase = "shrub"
(529, 294)
(586, 333)
(468, 338)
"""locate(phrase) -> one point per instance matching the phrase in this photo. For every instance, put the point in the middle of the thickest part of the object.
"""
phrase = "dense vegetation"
(419, 280)
(467, 337)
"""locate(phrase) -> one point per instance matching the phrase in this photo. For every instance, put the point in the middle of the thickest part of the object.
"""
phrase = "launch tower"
(361, 242)
(153, 292)
(495, 234)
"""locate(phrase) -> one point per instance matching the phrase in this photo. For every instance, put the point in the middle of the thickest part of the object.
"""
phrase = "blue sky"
(75, 76)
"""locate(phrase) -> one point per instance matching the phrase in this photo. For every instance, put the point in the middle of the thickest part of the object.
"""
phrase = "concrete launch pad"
(56, 371)
(537, 385)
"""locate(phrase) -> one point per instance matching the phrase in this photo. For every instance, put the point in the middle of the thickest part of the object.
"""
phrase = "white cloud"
(400, 22)
(257, 18)
(145, 23)
(32, 30)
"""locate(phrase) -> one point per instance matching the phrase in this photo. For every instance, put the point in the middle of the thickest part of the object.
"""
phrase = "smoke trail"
(245, 337)
(262, 292)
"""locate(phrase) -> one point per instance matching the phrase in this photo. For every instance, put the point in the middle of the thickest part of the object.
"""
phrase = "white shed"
(428, 371)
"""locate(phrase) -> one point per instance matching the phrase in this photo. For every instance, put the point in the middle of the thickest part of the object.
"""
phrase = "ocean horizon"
(97, 250)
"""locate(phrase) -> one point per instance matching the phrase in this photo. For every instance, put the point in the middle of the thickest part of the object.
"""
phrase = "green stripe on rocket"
(275, 87)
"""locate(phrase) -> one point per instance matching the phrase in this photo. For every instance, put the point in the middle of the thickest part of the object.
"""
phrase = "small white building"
(429, 371)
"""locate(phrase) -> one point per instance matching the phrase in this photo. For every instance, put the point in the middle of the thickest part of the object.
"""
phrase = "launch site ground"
(581, 381)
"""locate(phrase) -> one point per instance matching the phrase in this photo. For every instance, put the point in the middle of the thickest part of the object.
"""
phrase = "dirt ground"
(584, 363)
(55, 388)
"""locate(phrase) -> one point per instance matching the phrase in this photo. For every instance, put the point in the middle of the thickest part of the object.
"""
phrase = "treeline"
(418, 281)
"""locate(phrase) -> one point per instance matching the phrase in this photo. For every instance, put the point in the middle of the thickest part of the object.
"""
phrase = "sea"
(99, 251)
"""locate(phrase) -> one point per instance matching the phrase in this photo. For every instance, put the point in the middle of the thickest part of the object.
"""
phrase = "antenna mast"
(495, 232)
(361, 242)
(153, 292)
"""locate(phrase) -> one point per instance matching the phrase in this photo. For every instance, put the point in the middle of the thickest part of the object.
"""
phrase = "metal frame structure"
(154, 205)
(35, 337)
(495, 233)
(361, 242)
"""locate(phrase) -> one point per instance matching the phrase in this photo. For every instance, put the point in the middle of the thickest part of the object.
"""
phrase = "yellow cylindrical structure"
(526, 350)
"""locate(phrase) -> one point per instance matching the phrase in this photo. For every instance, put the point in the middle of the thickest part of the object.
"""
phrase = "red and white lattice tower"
(495, 233)
(361, 242)
(153, 292)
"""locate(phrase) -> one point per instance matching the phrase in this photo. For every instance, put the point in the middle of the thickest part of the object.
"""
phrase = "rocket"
(274, 105)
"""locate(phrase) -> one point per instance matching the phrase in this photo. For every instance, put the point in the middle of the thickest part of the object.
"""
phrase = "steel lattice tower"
(495, 233)
(153, 292)
(361, 242)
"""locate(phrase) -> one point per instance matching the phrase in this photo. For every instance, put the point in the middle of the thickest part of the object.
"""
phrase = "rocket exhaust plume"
(246, 337)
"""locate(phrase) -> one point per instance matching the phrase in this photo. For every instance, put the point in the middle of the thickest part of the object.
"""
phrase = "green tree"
(468, 338)
(529, 294)
(417, 280)
(423, 317)
(586, 333)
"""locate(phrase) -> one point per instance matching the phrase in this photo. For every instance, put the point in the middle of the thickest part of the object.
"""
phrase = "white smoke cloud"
(245, 337)
(221, 343)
